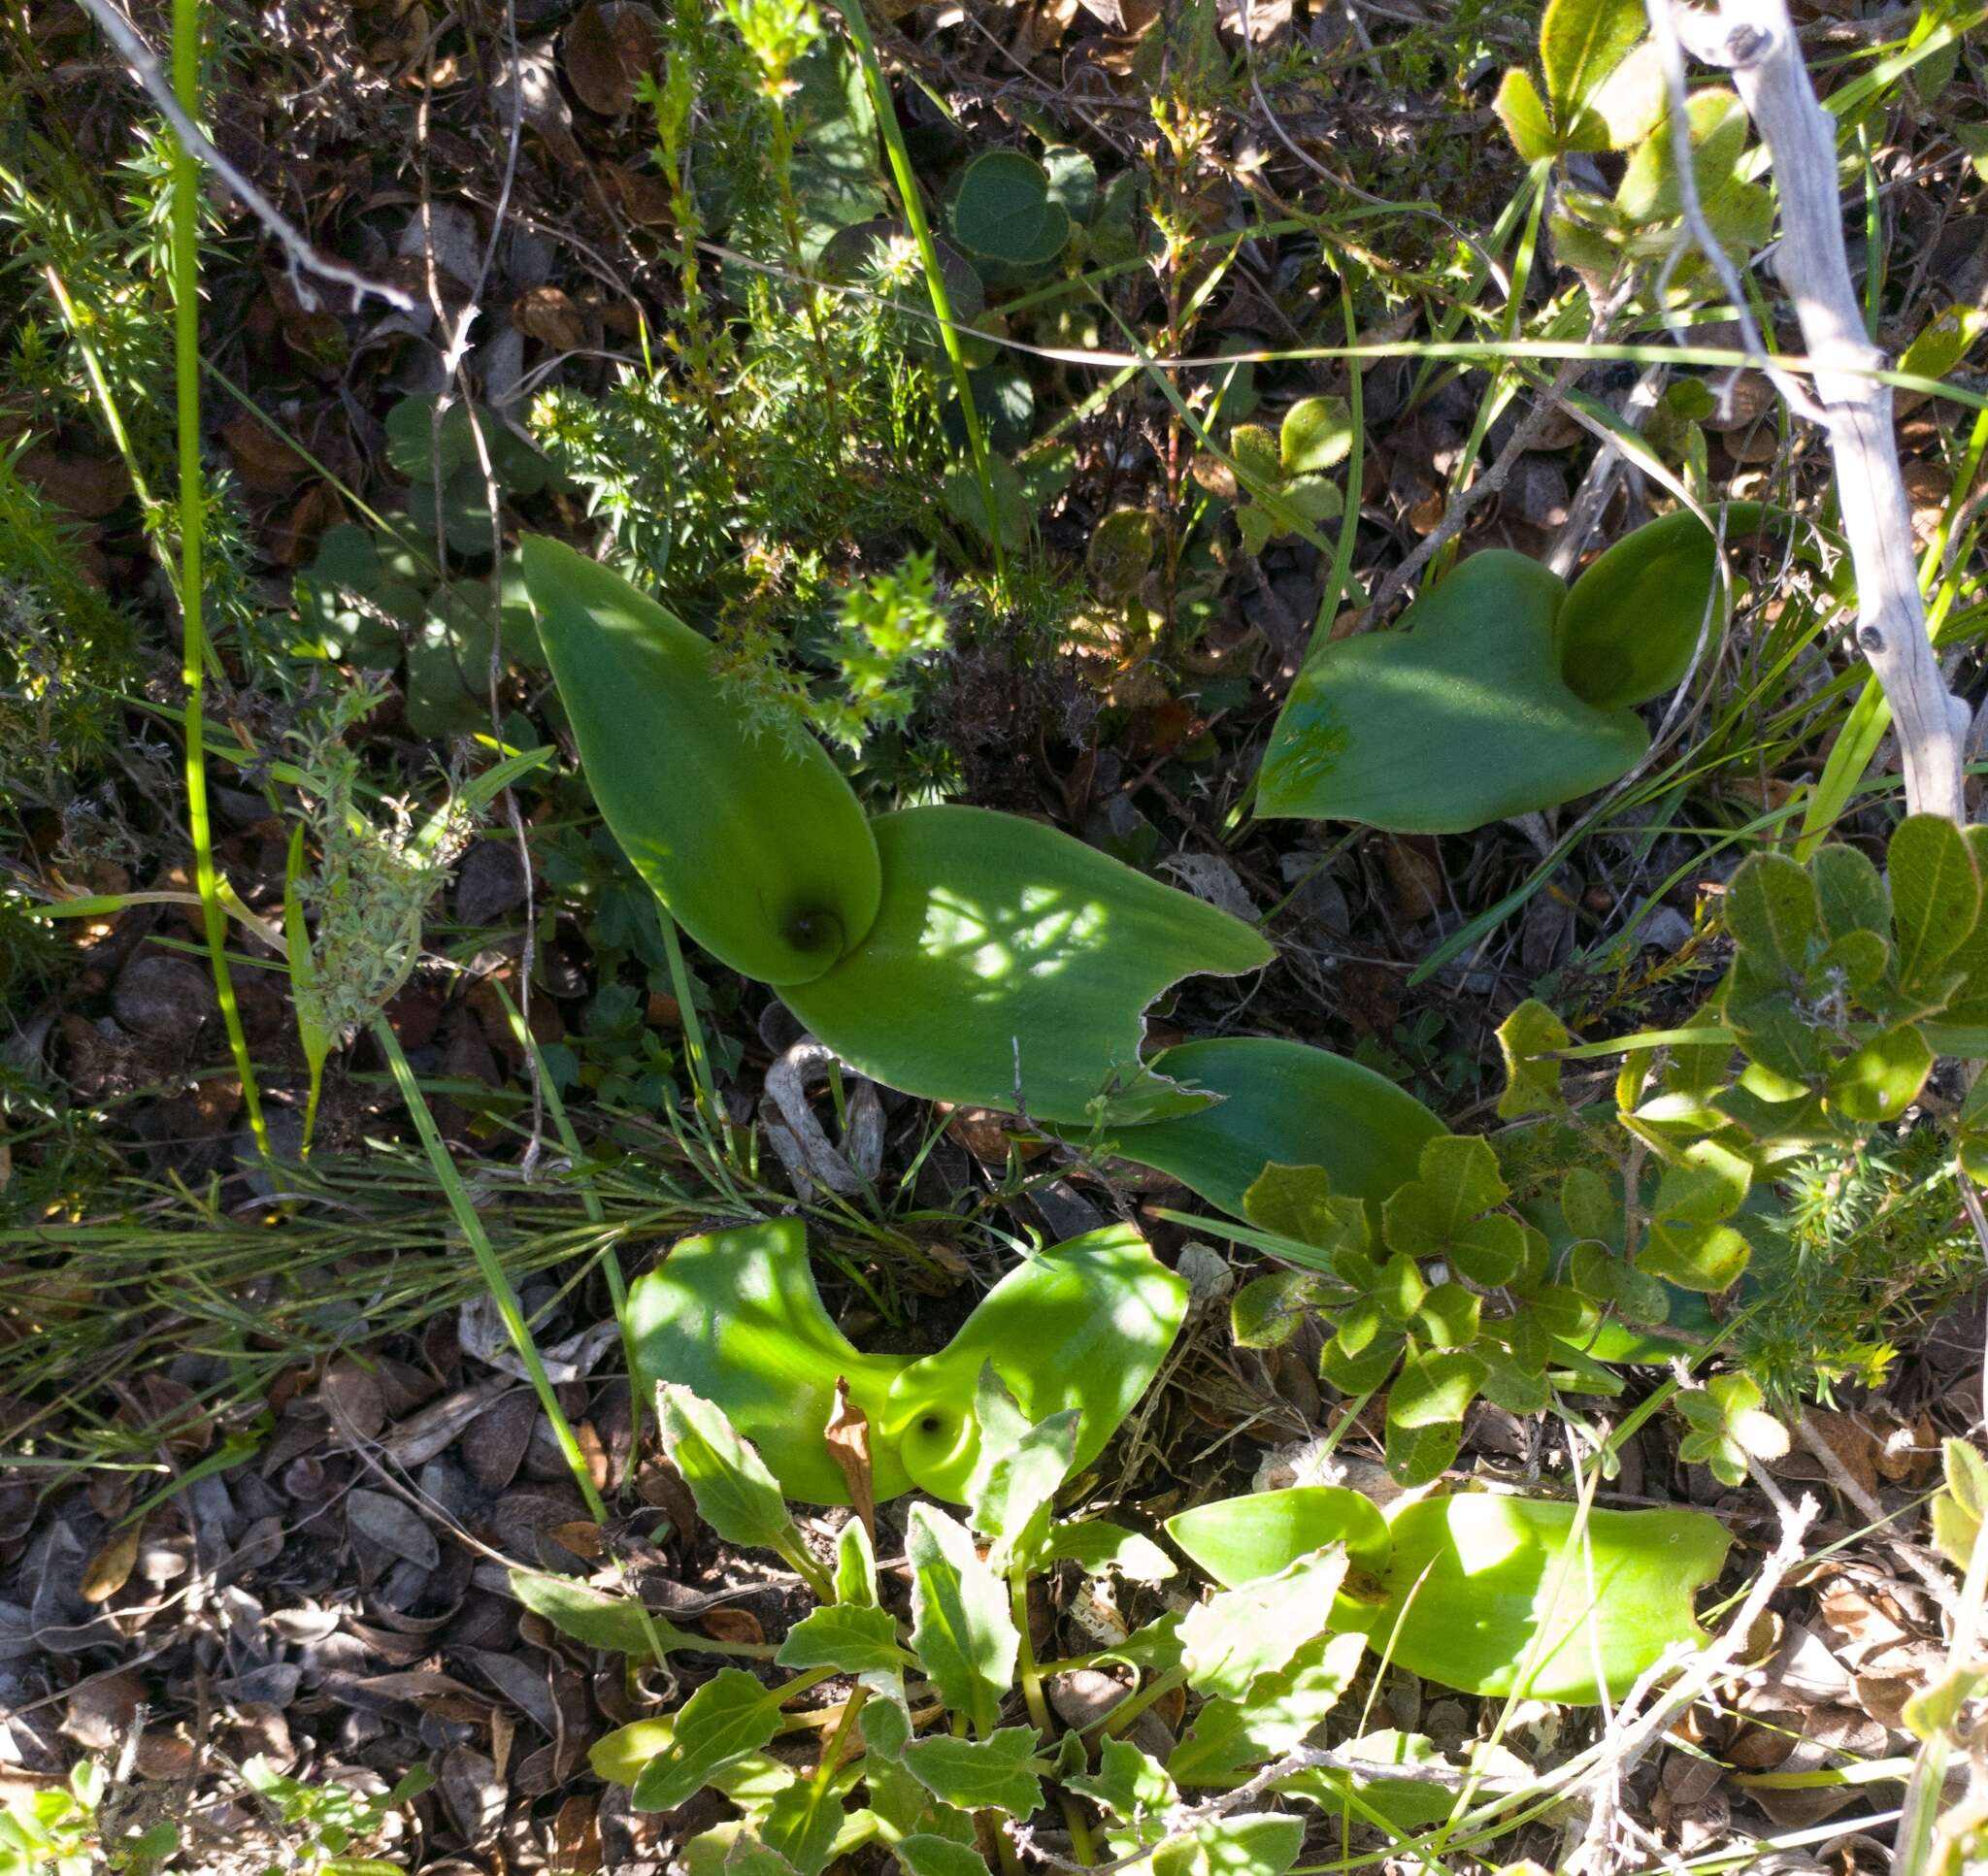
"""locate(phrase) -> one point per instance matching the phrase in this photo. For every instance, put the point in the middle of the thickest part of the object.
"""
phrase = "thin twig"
(304, 259)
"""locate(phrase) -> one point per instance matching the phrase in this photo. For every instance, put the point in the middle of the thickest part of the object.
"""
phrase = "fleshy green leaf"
(851, 1638)
(756, 845)
(1237, 1540)
(996, 935)
(1474, 671)
(1098, 1547)
(1229, 1737)
(729, 1716)
(1082, 1328)
(736, 1316)
(1706, 1258)
(1239, 1634)
(1479, 1598)
(1002, 1772)
(1633, 619)
(1285, 1104)
(961, 1629)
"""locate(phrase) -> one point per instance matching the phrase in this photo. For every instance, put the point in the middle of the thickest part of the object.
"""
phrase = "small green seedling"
(1527, 686)
(1078, 1330)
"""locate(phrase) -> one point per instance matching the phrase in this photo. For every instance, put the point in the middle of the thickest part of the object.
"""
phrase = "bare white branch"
(1757, 43)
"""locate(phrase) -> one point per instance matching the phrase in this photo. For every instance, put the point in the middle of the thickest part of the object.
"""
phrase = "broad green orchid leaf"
(1633, 619)
(1236, 1540)
(1520, 1597)
(735, 1316)
(1082, 1327)
(1008, 957)
(1473, 673)
(1471, 1588)
(754, 844)
(1283, 1104)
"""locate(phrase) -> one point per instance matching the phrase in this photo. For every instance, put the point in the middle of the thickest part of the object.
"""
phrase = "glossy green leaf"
(734, 1315)
(961, 1629)
(1236, 1540)
(1081, 1329)
(1008, 958)
(730, 1715)
(1479, 1598)
(1469, 1582)
(1254, 1629)
(1284, 1103)
(1003, 1772)
(1633, 619)
(1229, 1737)
(1473, 671)
(754, 844)
(1099, 1548)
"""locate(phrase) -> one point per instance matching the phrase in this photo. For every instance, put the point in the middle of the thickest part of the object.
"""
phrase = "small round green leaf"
(1003, 210)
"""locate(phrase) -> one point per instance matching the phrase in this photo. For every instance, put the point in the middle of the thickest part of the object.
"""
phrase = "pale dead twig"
(304, 259)
(1756, 42)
